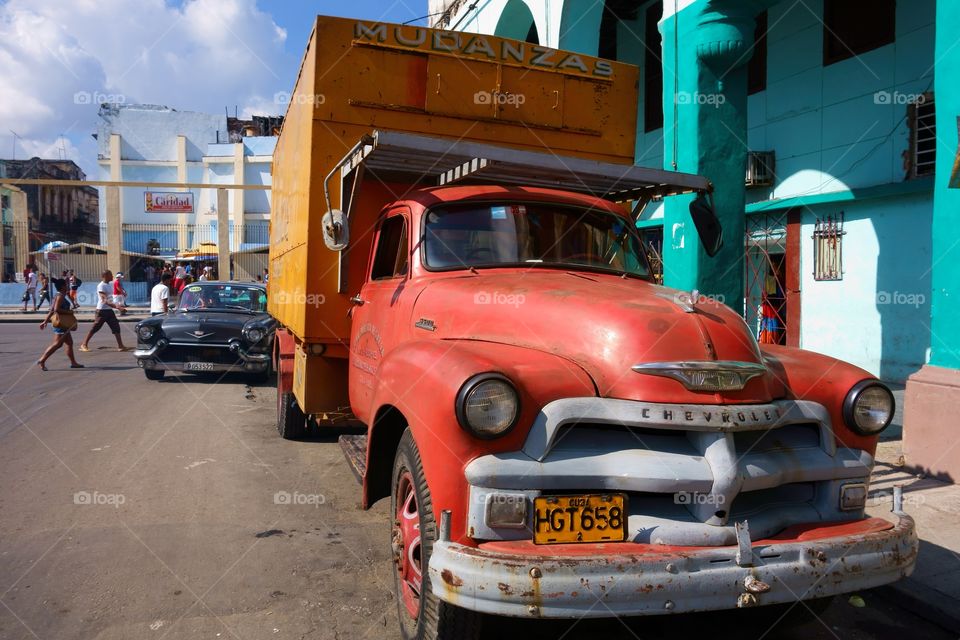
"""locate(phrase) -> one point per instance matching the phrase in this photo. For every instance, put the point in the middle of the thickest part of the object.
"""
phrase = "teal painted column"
(580, 26)
(945, 303)
(705, 107)
(930, 430)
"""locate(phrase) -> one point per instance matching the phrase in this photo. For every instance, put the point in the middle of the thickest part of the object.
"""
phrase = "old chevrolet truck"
(456, 268)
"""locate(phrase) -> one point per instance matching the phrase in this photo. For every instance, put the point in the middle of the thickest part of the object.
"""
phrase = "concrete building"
(55, 213)
(844, 115)
(149, 143)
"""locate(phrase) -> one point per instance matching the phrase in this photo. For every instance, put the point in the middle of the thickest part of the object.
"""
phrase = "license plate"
(198, 366)
(583, 518)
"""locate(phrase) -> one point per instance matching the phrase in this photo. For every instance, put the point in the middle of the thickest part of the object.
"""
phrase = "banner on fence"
(167, 202)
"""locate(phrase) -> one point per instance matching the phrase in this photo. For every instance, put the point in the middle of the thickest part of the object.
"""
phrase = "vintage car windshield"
(223, 297)
(532, 234)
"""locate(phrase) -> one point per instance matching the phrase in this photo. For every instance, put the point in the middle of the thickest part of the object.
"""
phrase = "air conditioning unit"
(760, 166)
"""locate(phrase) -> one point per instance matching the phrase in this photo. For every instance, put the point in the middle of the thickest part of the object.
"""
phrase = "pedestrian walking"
(60, 315)
(207, 274)
(44, 288)
(160, 296)
(119, 293)
(74, 283)
(105, 313)
(30, 294)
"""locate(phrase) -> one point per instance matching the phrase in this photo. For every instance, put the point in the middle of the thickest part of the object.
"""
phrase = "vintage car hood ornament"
(714, 375)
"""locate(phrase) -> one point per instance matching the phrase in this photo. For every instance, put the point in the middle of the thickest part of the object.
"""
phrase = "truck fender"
(284, 346)
(819, 378)
(417, 386)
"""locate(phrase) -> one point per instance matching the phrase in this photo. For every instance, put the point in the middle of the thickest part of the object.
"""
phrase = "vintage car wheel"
(291, 423)
(423, 616)
(153, 374)
(261, 376)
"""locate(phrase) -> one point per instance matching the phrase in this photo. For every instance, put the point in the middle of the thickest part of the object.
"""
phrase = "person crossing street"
(105, 313)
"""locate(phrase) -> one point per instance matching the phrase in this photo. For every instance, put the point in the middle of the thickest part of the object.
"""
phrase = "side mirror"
(707, 224)
(336, 230)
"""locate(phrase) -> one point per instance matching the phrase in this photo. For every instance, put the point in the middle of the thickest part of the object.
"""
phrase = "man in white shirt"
(105, 314)
(160, 296)
(31, 292)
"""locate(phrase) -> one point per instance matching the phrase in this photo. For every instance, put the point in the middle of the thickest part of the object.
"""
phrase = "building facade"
(54, 213)
(831, 108)
(157, 144)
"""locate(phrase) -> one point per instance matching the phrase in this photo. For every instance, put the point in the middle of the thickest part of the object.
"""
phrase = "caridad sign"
(167, 202)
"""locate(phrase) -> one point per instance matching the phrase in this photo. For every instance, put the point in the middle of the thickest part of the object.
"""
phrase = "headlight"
(868, 408)
(254, 335)
(488, 405)
(146, 332)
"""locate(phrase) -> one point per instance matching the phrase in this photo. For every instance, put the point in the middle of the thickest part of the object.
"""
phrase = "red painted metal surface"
(793, 277)
(284, 346)
(407, 550)
(573, 334)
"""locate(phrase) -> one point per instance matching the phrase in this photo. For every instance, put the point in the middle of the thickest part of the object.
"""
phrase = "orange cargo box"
(357, 76)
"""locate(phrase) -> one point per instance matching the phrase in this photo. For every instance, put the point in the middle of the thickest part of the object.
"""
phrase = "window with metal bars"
(828, 248)
(923, 136)
(653, 246)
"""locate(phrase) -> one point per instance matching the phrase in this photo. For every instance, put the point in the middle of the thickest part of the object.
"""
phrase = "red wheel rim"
(407, 556)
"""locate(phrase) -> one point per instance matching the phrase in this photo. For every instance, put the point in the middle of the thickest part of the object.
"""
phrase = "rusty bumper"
(674, 581)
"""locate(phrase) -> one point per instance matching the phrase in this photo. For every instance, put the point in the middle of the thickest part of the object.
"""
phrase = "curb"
(35, 318)
(924, 602)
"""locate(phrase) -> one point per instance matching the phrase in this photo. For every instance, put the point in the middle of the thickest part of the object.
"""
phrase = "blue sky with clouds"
(62, 57)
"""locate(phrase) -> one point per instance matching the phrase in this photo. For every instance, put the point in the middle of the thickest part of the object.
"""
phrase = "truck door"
(377, 312)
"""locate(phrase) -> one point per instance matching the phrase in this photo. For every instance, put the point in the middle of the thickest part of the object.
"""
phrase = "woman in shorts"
(61, 304)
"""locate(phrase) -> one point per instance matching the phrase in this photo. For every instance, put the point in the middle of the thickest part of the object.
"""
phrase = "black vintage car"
(216, 327)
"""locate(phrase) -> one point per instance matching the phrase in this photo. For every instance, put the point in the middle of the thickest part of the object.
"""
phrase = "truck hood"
(603, 323)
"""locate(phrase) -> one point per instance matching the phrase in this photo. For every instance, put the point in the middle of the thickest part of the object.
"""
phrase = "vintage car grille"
(198, 353)
(686, 486)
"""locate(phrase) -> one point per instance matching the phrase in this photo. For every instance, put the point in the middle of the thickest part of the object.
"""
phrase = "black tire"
(153, 374)
(291, 423)
(437, 620)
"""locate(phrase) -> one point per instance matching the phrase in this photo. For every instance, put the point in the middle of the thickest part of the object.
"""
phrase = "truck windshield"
(536, 234)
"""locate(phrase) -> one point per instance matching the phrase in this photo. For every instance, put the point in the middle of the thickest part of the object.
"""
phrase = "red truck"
(559, 436)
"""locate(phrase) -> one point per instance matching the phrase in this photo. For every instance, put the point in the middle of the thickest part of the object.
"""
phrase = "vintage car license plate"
(198, 366)
(581, 518)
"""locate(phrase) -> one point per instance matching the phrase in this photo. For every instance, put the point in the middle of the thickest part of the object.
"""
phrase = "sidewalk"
(85, 314)
(933, 591)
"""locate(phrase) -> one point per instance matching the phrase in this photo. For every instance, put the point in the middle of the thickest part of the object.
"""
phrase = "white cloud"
(61, 58)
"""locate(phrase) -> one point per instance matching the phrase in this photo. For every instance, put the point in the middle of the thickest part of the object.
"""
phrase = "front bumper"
(631, 580)
(152, 358)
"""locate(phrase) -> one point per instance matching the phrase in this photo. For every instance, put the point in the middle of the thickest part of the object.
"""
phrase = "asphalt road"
(137, 509)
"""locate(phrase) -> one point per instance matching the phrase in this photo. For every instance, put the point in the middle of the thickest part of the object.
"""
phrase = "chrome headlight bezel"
(475, 385)
(852, 406)
(146, 333)
(253, 335)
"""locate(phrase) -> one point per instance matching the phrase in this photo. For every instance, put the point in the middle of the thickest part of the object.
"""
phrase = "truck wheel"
(423, 616)
(291, 423)
(153, 374)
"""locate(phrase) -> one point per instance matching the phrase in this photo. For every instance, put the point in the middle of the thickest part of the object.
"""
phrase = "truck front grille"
(688, 486)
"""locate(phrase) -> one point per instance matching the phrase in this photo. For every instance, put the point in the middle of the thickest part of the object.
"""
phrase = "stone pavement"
(933, 591)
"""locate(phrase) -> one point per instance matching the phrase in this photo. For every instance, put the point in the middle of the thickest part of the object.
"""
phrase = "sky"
(61, 58)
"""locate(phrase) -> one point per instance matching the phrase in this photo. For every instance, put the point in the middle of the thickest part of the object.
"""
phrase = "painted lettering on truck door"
(375, 310)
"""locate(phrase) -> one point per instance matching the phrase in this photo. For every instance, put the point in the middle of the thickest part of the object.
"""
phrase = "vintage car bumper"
(517, 578)
(242, 360)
